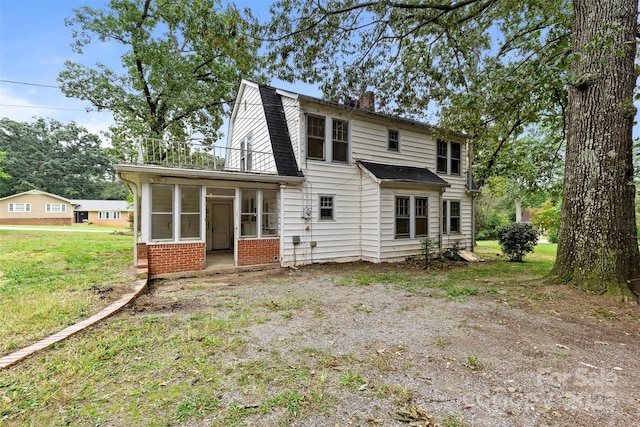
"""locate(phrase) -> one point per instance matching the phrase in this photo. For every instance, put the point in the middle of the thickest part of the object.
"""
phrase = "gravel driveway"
(377, 354)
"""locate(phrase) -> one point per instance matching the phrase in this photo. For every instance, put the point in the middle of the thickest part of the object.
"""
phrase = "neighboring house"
(108, 213)
(301, 180)
(35, 207)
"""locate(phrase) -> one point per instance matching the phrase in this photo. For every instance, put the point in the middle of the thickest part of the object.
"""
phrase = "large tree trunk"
(598, 247)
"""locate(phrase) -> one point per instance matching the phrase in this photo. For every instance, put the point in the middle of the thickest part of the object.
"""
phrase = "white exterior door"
(221, 225)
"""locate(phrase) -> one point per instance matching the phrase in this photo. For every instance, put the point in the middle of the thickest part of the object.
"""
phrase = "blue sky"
(34, 43)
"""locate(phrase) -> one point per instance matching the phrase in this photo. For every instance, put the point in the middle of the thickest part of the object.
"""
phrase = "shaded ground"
(360, 344)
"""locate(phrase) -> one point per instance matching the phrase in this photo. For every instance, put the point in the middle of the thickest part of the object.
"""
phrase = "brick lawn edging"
(141, 285)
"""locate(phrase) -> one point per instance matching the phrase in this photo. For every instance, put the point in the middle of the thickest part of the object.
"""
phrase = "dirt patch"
(540, 355)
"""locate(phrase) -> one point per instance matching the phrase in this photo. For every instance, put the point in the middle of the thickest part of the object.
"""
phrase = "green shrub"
(517, 239)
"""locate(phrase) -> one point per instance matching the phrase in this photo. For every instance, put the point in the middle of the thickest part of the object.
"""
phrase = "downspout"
(440, 234)
(473, 194)
(283, 188)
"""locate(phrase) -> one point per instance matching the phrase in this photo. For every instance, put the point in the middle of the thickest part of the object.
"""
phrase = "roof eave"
(206, 174)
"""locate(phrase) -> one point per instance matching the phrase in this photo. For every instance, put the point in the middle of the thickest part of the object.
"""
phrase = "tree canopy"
(496, 69)
(182, 62)
(491, 68)
(62, 159)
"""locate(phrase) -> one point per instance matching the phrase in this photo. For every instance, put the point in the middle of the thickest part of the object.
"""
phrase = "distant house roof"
(406, 174)
(101, 205)
(38, 192)
(278, 132)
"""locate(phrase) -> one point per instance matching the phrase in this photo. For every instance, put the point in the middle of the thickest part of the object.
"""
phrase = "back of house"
(301, 180)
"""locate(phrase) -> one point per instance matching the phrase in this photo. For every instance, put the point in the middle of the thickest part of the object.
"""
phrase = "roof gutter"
(206, 174)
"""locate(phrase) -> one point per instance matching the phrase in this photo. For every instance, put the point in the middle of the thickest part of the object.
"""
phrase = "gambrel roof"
(278, 132)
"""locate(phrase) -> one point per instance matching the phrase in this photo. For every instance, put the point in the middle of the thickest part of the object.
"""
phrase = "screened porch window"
(259, 217)
(162, 212)
(249, 215)
(190, 223)
(269, 213)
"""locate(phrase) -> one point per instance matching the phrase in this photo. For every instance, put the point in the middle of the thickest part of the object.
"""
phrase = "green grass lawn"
(52, 279)
(169, 368)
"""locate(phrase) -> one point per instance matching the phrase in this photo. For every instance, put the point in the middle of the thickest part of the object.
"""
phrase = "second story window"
(315, 137)
(246, 162)
(340, 146)
(448, 157)
(393, 140)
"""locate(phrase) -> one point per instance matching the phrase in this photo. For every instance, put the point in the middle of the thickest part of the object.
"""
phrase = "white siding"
(457, 193)
(363, 227)
(250, 120)
(369, 143)
(337, 239)
(294, 225)
(393, 249)
(370, 217)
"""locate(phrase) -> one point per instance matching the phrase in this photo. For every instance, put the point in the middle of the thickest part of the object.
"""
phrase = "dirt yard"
(386, 354)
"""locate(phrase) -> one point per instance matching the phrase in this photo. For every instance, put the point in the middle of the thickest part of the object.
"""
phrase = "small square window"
(326, 208)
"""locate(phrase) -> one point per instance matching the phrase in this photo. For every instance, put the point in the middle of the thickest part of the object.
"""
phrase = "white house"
(301, 180)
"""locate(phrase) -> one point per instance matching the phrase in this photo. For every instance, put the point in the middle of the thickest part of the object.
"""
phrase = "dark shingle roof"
(404, 174)
(279, 132)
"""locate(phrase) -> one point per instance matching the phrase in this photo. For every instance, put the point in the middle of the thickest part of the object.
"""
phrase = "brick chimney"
(367, 102)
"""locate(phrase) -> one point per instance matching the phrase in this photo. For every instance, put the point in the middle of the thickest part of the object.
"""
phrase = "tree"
(181, 66)
(496, 68)
(598, 239)
(3, 175)
(50, 156)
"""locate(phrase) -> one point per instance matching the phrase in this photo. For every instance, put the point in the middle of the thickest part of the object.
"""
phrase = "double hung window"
(411, 217)
(321, 130)
(315, 137)
(393, 140)
(448, 155)
(450, 216)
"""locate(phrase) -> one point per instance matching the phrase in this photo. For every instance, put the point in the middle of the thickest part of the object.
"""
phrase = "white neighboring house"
(301, 180)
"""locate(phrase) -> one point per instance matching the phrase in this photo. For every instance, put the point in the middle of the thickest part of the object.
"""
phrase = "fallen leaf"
(601, 342)
(588, 365)
(562, 346)
(415, 416)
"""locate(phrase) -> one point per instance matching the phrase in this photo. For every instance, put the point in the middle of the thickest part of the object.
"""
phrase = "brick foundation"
(258, 251)
(36, 221)
(173, 257)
